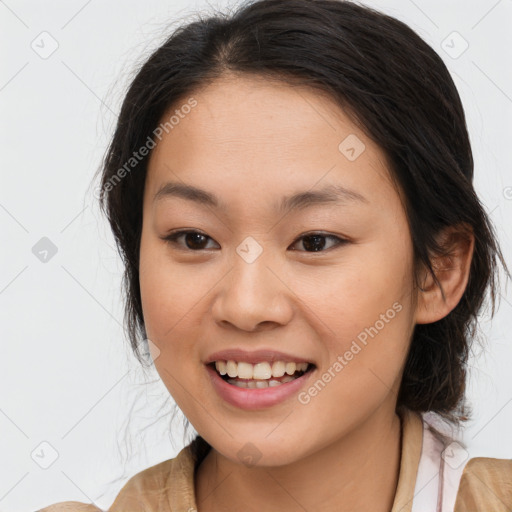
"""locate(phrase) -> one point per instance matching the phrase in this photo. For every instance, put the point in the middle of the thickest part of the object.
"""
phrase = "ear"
(451, 268)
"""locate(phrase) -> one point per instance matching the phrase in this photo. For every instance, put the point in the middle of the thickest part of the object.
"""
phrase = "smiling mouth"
(260, 375)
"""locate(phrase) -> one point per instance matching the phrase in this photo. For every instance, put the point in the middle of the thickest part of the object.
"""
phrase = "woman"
(290, 188)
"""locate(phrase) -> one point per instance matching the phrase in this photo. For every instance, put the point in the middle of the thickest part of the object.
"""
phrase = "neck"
(356, 472)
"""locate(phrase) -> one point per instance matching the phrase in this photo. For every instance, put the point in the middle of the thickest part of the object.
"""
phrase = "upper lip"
(253, 357)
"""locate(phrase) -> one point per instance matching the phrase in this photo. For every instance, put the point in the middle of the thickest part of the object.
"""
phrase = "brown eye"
(315, 242)
(194, 240)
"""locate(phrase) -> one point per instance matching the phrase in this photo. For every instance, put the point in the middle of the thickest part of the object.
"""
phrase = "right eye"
(194, 240)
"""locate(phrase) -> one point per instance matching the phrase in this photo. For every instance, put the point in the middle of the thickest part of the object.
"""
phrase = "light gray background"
(67, 376)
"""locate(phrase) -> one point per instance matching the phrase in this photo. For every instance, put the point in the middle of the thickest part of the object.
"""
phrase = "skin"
(250, 142)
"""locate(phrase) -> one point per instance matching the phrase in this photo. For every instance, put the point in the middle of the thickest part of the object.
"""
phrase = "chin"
(254, 449)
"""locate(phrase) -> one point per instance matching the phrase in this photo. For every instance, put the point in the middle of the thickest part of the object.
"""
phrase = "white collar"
(442, 461)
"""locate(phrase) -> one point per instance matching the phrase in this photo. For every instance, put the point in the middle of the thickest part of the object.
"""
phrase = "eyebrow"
(330, 194)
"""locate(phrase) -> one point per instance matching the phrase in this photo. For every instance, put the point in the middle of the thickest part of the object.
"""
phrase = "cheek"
(169, 320)
(173, 299)
(363, 313)
(353, 295)
(369, 327)
(168, 292)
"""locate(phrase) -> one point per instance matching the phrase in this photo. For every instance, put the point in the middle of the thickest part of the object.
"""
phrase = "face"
(266, 283)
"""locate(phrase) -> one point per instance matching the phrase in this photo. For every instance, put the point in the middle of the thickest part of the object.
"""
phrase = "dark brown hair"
(393, 85)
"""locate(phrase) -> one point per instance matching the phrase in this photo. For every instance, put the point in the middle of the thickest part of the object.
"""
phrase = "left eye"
(195, 240)
(316, 241)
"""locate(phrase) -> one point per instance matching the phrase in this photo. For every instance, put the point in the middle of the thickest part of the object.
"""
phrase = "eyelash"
(173, 237)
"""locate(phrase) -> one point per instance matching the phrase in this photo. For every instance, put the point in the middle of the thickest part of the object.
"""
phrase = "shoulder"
(166, 486)
(158, 486)
(485, 484)
(70, 506)
(144, 491)
(149, 484)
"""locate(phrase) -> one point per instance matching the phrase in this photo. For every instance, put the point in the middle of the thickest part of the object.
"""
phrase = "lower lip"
(254, 398)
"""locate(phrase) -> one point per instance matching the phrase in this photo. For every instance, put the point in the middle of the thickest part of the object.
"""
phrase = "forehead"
(248, 137)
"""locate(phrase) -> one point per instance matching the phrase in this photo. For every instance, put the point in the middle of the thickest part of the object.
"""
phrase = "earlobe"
(452, 268)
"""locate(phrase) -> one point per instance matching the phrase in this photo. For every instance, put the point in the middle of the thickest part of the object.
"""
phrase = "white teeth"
(232, 368)
(258, 371)
(260, 384)
(221, 367)
(278, 368)
(261, 371)
(245, 371)
(290, 368)
(242, 384)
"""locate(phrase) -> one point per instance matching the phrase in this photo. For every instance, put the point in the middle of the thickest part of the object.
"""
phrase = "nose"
(253, 297)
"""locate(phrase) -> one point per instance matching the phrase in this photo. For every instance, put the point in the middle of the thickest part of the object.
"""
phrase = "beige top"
(485, 483)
